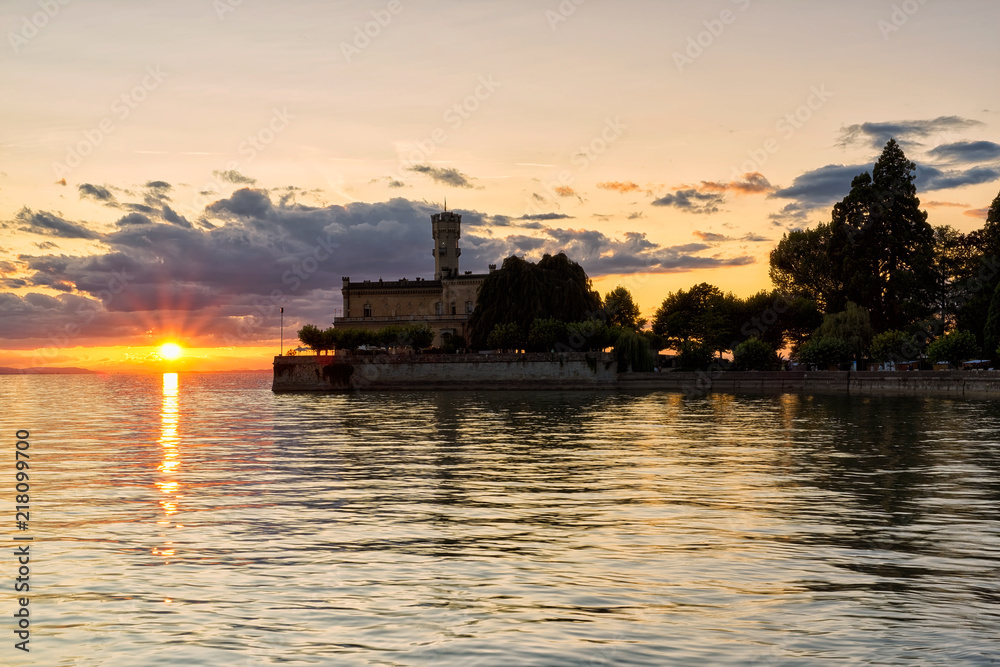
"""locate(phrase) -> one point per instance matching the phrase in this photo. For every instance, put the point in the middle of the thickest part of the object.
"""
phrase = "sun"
(171, 351)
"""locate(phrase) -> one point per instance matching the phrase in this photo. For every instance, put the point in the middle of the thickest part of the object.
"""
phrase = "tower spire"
(446, 203)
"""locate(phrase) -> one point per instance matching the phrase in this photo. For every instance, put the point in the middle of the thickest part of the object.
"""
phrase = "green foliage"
(701, 315)
(878, 251)
(754, 354)
(505, 336)
(521, 291)
(852, 326)
(312, 337)
(824, 352)
(800, 264)
(956, 347)
(453, 344)
(991, 331)
(621, 309)
(892, 345)
(632, 350)
(590, 335)
(544, 334)
(416, 337)
(694, 356)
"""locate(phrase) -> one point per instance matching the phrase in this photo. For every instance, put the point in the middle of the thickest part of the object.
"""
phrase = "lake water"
(203, 520)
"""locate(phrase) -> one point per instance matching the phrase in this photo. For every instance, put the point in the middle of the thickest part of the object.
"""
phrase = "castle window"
(439, 308)
(468, 307)
(453, 308)
(368, 310)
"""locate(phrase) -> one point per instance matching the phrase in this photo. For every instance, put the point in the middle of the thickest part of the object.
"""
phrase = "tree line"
(877, 282)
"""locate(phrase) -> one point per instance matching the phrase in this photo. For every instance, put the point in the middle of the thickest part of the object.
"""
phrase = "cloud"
(944, 204)
(235, 177)
(97, 192)
(966, 151)
(634, 253)
(444, 175)
(712, 237)
(978, 213)
(904, 132)
(692, 201)
(221, 282)
(821, 187)
(545, 216)
(49, 224)
(620, 186)
(565, 191)
(751, 183)
(931, 178)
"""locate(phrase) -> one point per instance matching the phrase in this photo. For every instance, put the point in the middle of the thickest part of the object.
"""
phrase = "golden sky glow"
(178, 171)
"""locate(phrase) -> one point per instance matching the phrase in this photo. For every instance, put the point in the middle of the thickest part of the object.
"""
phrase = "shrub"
(956, 347)
(754, 354)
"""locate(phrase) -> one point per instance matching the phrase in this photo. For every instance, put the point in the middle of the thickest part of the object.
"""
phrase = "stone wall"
(949, 383)
(445, 371)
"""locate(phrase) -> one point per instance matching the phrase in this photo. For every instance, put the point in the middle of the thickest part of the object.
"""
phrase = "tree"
(693, 356)
(701, 315)
(852, 326)
(545, 333)
(891, 345)
(800, 265)
(824, 352)
(881, 246)
(632, 350)
(621, 310)
(991, 332)
(313, 338)
(521, 291)
(754, 354)
(956, 347)
(505, 336)
(416, 336)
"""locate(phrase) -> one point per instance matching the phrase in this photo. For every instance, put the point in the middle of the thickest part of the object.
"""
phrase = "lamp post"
(281, 345)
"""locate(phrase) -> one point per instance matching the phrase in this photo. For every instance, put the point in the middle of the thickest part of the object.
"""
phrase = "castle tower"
(446, 228)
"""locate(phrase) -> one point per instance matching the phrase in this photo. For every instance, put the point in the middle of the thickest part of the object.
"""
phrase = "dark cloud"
(931, 178)
(97, 192)
(821, 187)
(253, 254)
(692, 201)
(711, 237)
(235, 177)
(904, 132)
(444, 175)
(133, 219)
(49, 224)
(174, 218)
(966, 151)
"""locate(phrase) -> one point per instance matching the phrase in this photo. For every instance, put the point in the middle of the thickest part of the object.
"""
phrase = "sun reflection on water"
(169, 441)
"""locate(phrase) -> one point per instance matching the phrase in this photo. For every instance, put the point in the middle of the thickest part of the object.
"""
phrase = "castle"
(444, 303)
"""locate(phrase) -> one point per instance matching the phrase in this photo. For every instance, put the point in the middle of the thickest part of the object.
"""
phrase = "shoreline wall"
(418, 372)
(573, 371)
(945, 383)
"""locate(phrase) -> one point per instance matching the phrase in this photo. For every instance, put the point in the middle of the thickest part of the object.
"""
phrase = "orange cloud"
(752, 183)
(565, 191)
(939, 204)
(620, 186)
(978, 213)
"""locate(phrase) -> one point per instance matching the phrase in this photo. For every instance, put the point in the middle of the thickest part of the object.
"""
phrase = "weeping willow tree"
(633, 352)
(522, 291)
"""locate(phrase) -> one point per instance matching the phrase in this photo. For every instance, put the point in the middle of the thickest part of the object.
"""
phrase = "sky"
(176, 171)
